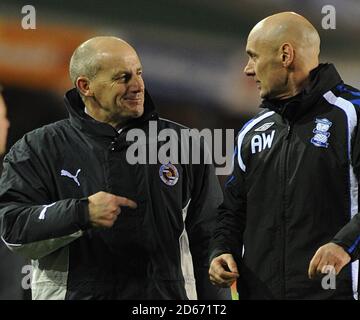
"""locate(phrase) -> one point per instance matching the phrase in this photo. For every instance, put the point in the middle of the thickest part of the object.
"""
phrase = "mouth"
(134, 100)
(134, 103)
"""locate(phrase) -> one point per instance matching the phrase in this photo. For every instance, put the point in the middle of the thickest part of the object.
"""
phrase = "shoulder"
(263, 118)
(347, 99)
(342, 94)
(169, 124)
(346, 91)
(38, 140)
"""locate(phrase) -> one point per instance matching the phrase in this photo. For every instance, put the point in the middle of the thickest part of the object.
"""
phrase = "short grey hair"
(84, 62)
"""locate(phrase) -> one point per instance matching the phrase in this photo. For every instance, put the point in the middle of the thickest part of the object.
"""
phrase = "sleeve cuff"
(82, 214)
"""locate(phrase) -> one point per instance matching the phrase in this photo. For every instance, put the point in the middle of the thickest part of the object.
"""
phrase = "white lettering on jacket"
(261, 142)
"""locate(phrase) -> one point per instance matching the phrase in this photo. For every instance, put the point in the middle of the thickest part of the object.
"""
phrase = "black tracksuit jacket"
(157, 251)
(294, 188)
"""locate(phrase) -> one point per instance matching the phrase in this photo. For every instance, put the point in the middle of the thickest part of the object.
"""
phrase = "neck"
(296, 83)
(100, 114)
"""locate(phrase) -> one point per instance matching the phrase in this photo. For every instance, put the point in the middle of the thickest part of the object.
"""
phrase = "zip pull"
(289, 130)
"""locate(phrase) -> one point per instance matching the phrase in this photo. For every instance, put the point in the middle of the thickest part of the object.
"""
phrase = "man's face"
(4, 125)
(118, 88)
(265, 66)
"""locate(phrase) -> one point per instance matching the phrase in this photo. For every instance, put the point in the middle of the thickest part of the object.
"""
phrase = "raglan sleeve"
(32, 223)
(231, 215)
(349, 236)
(216, 222)
(200, 222)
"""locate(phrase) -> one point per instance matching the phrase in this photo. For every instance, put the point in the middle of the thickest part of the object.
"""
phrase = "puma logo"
(69, 175)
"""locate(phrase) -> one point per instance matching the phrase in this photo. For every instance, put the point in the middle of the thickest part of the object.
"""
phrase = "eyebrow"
(250, 52)
(121, 72)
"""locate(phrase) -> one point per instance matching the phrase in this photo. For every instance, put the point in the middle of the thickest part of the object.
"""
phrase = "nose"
(249, 68)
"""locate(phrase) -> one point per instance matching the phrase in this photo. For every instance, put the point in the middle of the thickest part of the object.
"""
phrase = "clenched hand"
(329, 254)
(223, 270)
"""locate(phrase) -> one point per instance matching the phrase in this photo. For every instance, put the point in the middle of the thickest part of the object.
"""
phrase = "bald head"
(88, 58)
(292, 28)
(282, 49)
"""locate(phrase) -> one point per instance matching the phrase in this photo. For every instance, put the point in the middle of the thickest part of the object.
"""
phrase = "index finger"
(125, 202)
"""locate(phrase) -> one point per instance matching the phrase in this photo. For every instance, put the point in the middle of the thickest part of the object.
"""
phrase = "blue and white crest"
(321, 133)
(169, 174)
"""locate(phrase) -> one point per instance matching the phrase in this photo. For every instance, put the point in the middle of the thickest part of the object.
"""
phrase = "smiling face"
(108, 74)
(118, 88)
(266, 67)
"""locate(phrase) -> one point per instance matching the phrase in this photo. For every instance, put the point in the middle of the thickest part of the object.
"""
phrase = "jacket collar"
(84, 122)
(321, 79)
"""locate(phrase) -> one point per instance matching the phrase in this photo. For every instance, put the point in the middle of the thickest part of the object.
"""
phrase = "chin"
(265, 95)
(138, 113)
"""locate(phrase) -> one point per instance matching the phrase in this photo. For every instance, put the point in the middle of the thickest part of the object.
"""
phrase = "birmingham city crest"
(320, 139)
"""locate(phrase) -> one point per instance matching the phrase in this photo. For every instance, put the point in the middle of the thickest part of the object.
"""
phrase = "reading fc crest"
(169, 174)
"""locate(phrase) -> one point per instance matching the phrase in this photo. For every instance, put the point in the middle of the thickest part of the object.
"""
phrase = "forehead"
(257, 42)
(253, 39)
(119, 60)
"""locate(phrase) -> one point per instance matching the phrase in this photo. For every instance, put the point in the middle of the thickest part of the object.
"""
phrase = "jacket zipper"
(283, 216)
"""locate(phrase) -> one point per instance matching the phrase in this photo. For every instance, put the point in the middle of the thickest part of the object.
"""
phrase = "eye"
(252, 55)
(126, 77)
(123, 78)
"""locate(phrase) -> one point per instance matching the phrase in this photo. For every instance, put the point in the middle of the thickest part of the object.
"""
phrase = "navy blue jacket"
(294, 188)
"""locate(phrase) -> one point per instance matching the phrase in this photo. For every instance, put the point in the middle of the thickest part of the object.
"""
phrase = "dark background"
(193, 53)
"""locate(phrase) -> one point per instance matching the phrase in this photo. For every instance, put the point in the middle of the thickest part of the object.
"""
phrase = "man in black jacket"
(289, 225)
(95, 225)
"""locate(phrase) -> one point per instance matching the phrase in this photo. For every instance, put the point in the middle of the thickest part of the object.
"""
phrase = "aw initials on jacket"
(261, 142)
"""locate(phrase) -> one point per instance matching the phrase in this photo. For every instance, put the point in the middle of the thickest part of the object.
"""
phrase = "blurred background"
(193, 53)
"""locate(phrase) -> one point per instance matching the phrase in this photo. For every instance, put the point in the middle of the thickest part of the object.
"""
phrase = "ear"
(287, 54)
(83, 85)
